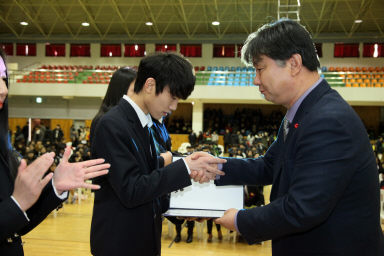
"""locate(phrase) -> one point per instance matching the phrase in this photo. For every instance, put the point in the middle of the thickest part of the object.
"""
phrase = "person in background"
(118, 86)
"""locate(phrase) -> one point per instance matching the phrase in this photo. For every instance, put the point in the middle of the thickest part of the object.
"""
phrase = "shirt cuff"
(17, 203)
(62, 196)
(220, 167)
(189, 171)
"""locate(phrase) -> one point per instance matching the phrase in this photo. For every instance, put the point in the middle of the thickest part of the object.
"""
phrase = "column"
(197, 116)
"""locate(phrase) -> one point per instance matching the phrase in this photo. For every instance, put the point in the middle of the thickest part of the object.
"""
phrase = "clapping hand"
(30, 180)
(73, 175)
(203, 166)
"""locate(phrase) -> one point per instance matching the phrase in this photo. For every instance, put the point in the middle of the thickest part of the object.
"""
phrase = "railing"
(209, 78)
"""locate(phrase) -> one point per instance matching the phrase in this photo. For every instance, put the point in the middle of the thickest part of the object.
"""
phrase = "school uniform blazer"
(325, 188)
(13, 222)
(127, 210)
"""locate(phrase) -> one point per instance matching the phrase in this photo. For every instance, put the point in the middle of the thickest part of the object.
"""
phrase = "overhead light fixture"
(358, 21)
(85, 24)
(148, 23)
(39, 100)
(24, 23)
(215, 23)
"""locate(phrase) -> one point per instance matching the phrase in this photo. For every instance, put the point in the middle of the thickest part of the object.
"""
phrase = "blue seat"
(233, 68)
(209, 68)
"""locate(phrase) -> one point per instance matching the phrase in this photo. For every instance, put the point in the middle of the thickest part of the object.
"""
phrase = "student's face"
(273, 81)
(162, 104)
(3, 86)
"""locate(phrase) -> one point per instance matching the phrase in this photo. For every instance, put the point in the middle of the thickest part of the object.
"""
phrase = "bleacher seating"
(210, 75)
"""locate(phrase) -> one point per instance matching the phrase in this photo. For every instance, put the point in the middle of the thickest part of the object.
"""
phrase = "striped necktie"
(285, 127)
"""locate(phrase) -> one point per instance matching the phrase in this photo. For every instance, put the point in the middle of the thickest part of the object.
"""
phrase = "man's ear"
(150, 85)
(296, 64)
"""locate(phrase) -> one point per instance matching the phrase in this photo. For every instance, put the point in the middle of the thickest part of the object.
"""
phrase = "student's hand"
(30, 182)
(203, 166)
(228, 219)
(69, 176)
(167, 156)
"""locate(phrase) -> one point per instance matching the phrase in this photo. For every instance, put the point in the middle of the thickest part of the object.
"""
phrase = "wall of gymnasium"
(86, 108)
(205, 60)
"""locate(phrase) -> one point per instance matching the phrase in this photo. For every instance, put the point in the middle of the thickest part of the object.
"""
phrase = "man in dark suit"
(127, 211)
(325, 190)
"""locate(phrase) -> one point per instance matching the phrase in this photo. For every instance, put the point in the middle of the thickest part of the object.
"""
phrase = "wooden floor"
(66, 233)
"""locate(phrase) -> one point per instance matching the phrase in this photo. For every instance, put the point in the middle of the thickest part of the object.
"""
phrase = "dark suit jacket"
(325, 193)
(127, 213)
(12, 219)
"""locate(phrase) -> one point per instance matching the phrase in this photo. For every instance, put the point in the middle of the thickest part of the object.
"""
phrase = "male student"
(127, 210)
(325, 193)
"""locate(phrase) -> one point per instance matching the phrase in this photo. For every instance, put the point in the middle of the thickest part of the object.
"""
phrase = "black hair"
(118, 86)
(6, 153)
(279, 41)
(168, 69)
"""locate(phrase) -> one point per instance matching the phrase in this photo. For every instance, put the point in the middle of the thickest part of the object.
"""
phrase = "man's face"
(273, 80)
(162, 104)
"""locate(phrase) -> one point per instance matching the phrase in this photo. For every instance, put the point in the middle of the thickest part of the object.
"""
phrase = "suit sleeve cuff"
(18, 205)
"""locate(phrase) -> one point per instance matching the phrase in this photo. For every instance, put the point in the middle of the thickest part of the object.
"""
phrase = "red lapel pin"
(296, 125)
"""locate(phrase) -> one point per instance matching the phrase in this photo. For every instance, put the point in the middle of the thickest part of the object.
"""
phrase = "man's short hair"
(279, 41)
(168, 69)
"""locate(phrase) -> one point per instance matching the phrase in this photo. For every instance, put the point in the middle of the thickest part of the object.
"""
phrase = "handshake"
(203, 166)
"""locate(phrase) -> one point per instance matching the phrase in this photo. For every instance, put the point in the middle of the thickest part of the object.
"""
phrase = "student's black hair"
(168, 69)
(279, 41)
(118, 86)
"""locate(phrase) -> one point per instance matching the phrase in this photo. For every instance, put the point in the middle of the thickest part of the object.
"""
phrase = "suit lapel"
(140, 137)
(304, 108)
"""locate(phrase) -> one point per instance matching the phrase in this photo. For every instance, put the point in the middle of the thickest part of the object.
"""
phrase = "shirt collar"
(145, 119)
(292, 111)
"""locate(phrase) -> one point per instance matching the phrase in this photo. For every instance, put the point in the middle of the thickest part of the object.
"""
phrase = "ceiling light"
(24, 23)
(148, 23)
(215, 23)
(39, 100)
(85, 24)
(358, 21)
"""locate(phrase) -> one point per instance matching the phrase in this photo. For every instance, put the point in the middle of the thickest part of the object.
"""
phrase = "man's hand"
(30, 182)
(228, 219)
(73, 175)
(203, 166)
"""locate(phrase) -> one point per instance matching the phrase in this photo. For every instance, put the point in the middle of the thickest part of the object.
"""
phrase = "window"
(55, 50)
(134, 50)
(8, 48)
(165, 47)
(110, 50)
(190, 50)
(224, 50)
(342, 50)
(319, 49)
(27, 49)
(373, 50)
(80, 50)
